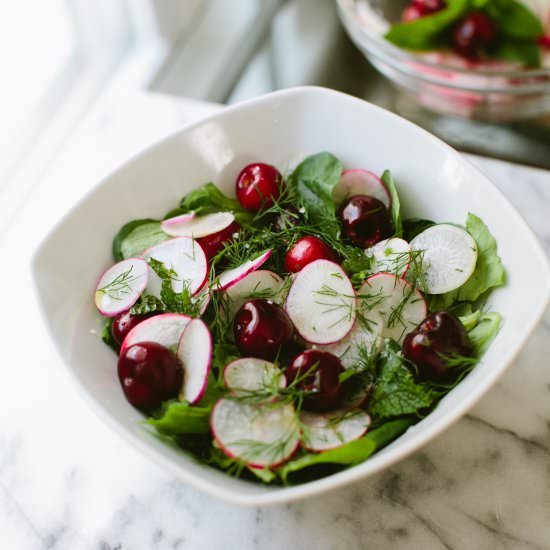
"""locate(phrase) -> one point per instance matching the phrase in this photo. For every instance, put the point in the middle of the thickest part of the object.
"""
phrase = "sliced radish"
(321, 302)
(231, 277)
(185, 257)
(360, 182)
(165, 329)
(203, 298)
(197, 226)
(392, 304)
(363, 337)
(323, 432)
(120, 286)
(252, 374)
(195, 354)
(391, 256)
(449, 257)
(262, 436)
(258, 284)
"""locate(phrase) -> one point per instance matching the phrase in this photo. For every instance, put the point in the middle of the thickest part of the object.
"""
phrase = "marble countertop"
(68, 482)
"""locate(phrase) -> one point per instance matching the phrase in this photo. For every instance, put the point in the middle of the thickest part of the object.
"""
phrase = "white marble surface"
(67, 482)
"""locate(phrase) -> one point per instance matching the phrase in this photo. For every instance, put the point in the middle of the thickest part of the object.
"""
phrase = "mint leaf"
(135, 237)
(488, 274)
(395, 392)
(426, 32)
(514, 20)
(387, 179)
(521, 51)
(313, 180)
(351, 453)
(178, 418)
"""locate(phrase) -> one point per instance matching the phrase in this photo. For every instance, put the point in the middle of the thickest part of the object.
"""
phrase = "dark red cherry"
(319, 373)
(430, 6)
(257, 185)
(439, 335)
(365, 221)
(123, 323)
(420, 8)
(212, 244)
(261, 328)
(473, 34)
(149, 374)
(307, 250)
(411, 13)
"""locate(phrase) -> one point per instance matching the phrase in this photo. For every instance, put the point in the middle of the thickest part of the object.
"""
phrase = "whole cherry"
(307, 250)
(475, 33)
(318, 374)
(365, 221)
(439, 337)
(257, 186)
(261, 327)
(149, 374)
(421, 8)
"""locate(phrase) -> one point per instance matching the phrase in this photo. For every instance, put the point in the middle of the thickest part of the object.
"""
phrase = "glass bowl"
(444, 82)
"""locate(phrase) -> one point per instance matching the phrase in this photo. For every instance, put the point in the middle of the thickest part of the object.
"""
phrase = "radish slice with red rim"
(261, 436)
(165, 329)
(120, 286)
(185, 257)
(321, 303)
(259, 284)
(251, 374)
(364, 337)
(197, 226)
(449, 257)
(392, 304)
(231, 277)
(360, 182)
(195, 355)
(391, 256)
(322, 432)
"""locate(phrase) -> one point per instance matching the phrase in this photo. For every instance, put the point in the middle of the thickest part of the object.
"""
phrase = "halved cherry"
(212, 244)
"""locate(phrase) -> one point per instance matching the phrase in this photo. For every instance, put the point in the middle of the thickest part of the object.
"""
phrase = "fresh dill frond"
(120, 285)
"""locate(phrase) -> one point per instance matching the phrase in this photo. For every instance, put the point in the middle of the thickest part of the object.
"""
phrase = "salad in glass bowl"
(482, 59)
(300, 327)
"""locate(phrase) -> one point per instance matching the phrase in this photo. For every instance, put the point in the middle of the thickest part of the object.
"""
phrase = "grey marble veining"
(67, 482)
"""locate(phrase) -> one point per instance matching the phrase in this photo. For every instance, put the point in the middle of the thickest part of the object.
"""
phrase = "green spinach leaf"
(387, 179)
(514, 20)
(135, 237)
(208, 199)
(425, 33)
(520, 51)
(485, 332)
(351, 453)
(178, 418)
(313, 180)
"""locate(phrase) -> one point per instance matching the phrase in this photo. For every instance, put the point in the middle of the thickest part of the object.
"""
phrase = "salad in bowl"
(298, 328)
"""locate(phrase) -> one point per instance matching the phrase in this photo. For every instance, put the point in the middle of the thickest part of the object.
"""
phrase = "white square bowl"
(434, 182)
